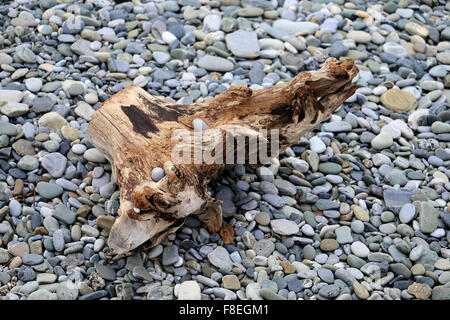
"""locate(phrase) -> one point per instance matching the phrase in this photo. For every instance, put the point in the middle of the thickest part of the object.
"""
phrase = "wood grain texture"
(134, 131)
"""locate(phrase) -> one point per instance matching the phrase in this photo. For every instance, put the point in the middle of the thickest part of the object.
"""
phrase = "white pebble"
(157, 174)
(78, 148)
(168, 37)
(360, 249)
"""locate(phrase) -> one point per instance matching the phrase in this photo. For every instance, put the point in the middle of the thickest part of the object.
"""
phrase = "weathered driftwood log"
(135, 132)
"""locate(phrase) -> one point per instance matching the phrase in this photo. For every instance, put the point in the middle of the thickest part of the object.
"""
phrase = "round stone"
(33, 84)
(49, 190)
(94, 155)
(360, 249)
(157, 174)
(326, 275)
(357, 226)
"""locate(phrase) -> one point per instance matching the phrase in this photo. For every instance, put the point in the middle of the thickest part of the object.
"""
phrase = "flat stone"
(325, 204)
(42, 294)
(23, 147)
(26, 54)
(89, 231)
(295, 285)
(45, 278)
(317, 145)
(359, 36)
(328, 245)
(14, 109)
(360, 213)
(7, 128)
(189, 290)
(30, 287)
(396, 197)
(268, 294)
(67, 290)
(220, 258)
(243, 44)
(231, 282)
(262, 218)
(84, 110)
(170, 255)
(284, 226)
(274, 200)
(133, 261)
(252, 291)
(330, 168)
(28, 163)
(82, 47)
(11, 95)
(55, 164)
(417, 29)
(52, 121)
(382, 141)
(396, 177)
(58, 240)
(337, 126)
(428, 217)
(264, 247)
(94, 155)
(32, 259)
(295, 28)
(326, 275)
(213, 63)
(395, 49)
(105, 222)
(360, 249)
(398, 100)
(19, 249)
(343, 235)
(33, 84)
(64, 214)
(407, 213)
(139, 272)
(420, 290)
(4, 255)
(360, 290)
(285, 187)
(15, 208)
(329, 291)
(264, 174)
(49, 190)
(441, 293)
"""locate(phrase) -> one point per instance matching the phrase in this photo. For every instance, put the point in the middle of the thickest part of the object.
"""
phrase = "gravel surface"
(357, 209)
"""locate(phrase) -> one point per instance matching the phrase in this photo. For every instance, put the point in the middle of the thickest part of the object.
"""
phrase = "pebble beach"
(358, 209)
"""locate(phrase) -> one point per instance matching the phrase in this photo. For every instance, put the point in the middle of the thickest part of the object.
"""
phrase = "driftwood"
(134, 130)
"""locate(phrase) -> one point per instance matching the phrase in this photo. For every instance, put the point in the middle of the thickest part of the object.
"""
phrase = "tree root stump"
(138, 132)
